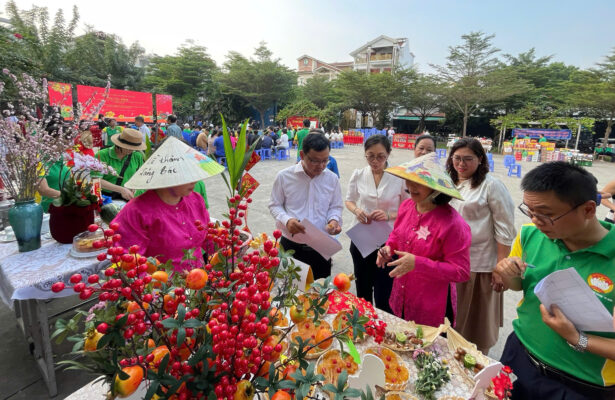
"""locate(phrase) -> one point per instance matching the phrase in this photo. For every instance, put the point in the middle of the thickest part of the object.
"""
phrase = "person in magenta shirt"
(164, 220)
(429, 246)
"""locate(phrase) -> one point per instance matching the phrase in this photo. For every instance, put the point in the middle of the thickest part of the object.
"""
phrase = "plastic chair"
(489, 156)
(282, 154)
(441, 153)
(491, 165)
(259, 152)
(515, 169)
(265, 154)
(509, 160)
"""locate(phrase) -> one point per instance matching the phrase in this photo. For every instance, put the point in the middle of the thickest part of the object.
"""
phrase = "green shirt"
(542, 140)
(56, 173)
(300, 136)
(110, 132)
(290, 134)
(109, 157)
(596, 265)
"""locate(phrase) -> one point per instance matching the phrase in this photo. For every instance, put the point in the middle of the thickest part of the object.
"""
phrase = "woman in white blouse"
(374, 197)
(489, 210)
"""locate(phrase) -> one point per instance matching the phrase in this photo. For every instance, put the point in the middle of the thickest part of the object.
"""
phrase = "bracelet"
(581, 345)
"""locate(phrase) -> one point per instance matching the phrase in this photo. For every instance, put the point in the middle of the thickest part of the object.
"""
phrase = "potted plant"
(72, 212)
(209, 333)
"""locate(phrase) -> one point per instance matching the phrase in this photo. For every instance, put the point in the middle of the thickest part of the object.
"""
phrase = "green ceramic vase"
(26, 219)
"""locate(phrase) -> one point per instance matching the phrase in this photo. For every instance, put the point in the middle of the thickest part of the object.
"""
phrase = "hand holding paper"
(324, 244)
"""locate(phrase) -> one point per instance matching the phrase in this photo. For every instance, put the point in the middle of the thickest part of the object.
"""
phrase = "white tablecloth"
(30, 275)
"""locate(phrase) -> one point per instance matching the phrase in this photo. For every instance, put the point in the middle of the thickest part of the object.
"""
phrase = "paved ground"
(19, 378)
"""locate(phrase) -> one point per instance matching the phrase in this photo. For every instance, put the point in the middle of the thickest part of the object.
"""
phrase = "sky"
(574, 32)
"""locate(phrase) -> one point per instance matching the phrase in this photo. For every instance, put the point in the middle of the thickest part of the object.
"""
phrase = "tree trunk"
(607, 132)
(421, 127)
(262, 114)
(465, 119)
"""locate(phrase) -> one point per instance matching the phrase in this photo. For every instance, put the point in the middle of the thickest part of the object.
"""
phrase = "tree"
(318, 90)
(595, 91)
(421, 96)
(470, 78)
(261, 81)
(95, 56)
(44, 43)
(188, 76)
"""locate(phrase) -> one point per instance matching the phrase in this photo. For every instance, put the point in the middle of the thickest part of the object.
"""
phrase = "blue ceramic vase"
(26, 218)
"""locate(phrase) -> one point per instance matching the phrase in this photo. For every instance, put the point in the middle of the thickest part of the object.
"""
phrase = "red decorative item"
(253, 160)
(67, 221)
(345, 301)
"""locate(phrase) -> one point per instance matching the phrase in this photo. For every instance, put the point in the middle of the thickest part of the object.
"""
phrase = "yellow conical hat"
(426, 171)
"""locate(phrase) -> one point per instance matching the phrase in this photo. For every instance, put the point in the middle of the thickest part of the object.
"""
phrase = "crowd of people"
(452, 251)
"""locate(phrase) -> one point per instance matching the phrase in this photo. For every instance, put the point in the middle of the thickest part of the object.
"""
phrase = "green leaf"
(228, 152)
(240, 149)
(181, 336)
(152, 390)
(170, 323)
(352, 350)
(181, 313)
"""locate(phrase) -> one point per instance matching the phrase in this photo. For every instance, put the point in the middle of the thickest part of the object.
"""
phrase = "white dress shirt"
(145, 131)
(490, 212)
(283, 141)
(386, 197)
(296, 195)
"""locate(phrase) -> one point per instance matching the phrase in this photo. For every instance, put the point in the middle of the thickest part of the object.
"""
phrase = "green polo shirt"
(57, 173)
(109, 157)
(596, 265)
(110, 132)
(300, 136)
(542, 140)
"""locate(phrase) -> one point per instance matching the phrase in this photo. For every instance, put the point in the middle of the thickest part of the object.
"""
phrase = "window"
(305, 61)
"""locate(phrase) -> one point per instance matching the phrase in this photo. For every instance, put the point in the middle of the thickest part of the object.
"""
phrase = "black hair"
(172, 118)
(306, 123)
(418, 139)
(139, 118)
(442, 199)
(315, 141)
(570, 183)
(378, 139)
(285, 130)
(478, 150)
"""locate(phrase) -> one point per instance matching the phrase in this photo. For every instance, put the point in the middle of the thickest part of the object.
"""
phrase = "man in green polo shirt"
(125, 158)
(551, 358)
(110, 131)
(300, 135)
(542, 138)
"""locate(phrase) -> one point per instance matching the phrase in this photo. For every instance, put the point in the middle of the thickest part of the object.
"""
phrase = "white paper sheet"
(368, 237)
(320, 241)
(574, 297)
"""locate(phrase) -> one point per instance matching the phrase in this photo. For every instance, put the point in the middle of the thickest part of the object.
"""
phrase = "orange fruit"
(245, 390)
(151, 344)
(321, 336)
(91, 340)
(126, 387)
(160, 277)
(152, 266)
(196, 279)
(159, 353)
(281, 395)
(342, 282)
(215, 259)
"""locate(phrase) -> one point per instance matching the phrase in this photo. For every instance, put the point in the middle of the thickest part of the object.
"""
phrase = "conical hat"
(426, 171)
(173, 164)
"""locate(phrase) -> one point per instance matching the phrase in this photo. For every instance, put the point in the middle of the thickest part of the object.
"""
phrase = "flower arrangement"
(501, 384)
(77, 189)
(432, 373)
(215, 332)
(32, 136)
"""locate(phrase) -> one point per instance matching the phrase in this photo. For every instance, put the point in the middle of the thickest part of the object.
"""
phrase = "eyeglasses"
(316, 162)
(466, 159)
(543, 218)
(380, 157)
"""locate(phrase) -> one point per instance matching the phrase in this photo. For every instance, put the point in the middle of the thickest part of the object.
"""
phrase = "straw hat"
(173, 164)
(426, 171)
(130, 139)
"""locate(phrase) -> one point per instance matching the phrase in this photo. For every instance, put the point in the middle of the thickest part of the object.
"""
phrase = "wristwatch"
(581, 345)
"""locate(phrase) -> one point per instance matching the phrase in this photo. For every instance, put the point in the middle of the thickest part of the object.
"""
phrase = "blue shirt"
(174, 130)
(267, 142)
(332, 166)
(219, 145)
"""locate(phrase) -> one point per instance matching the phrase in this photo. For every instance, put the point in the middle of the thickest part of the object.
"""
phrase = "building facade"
(382, 54)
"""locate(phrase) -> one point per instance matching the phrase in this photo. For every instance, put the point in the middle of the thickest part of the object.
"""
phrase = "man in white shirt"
(308, 190)
(390, 134)
(141, 127)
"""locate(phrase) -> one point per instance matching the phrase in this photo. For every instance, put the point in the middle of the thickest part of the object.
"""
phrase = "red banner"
(61, 96)
(123, 105)
(164, 106)
(297, 122)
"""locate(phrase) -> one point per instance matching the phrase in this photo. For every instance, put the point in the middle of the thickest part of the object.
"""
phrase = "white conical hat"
(173, 164)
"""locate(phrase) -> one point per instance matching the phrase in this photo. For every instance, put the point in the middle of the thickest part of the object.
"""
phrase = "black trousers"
(533, 385)
(321, 268)
(372, 280)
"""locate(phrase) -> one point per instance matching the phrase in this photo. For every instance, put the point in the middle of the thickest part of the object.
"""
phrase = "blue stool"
(441, 153)
(340, 145)
(491, 165)
(514, 169)
(334, 145)
(282, 154)
(489, 156)
(509, 160)
(259, 152)
(265, 154)
(221, 160)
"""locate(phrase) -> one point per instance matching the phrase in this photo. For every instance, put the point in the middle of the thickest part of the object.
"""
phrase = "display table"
(459, 387)
(25, 286)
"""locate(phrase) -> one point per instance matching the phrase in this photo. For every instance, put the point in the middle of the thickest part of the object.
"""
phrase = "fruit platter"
(409, 336)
